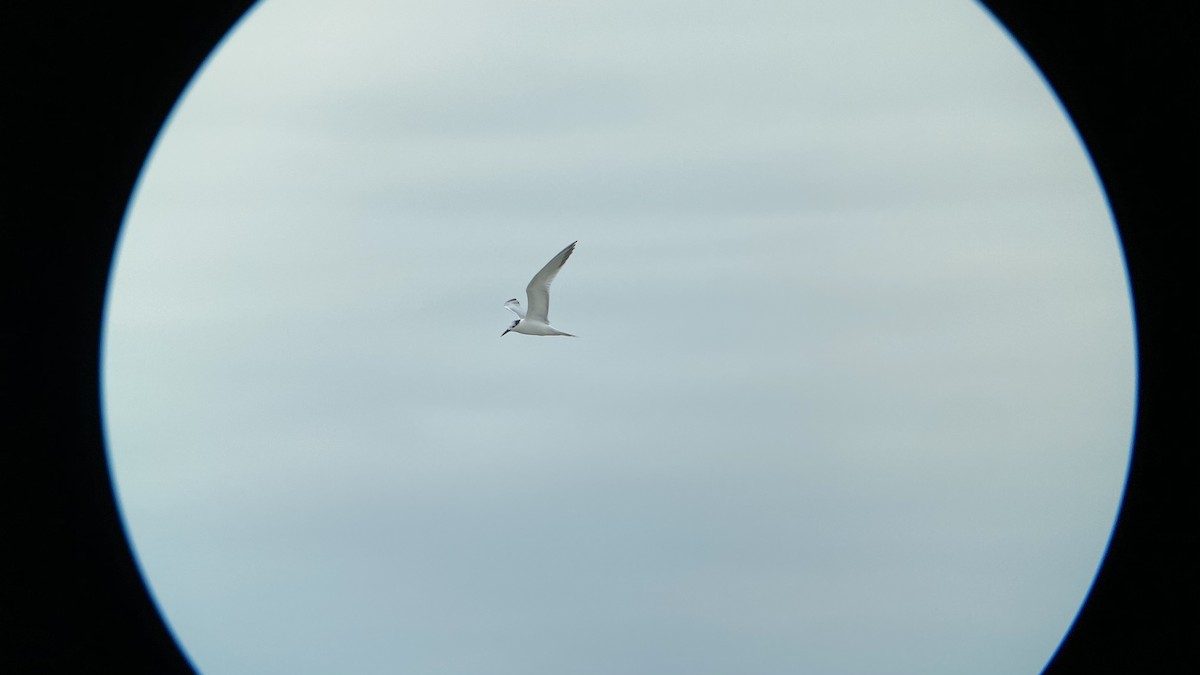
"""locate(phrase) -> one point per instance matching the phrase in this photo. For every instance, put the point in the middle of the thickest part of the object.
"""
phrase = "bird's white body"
(537, 321)
(527, 327)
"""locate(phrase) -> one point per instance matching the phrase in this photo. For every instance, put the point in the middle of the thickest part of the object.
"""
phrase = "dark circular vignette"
(88, 87)
(1127, 75)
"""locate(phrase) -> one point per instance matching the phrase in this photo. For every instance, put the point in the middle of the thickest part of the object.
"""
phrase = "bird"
(536, 321)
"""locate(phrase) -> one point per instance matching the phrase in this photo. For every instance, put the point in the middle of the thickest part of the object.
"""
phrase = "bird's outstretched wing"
(538, 289)
(515, 307)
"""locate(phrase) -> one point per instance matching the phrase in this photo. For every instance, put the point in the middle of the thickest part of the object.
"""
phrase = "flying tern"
(535, 321)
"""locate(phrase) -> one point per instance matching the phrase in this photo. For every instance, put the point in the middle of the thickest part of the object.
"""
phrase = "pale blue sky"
(855, 381)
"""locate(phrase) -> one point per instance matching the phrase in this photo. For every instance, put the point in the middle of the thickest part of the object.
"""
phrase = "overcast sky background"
(853, 391)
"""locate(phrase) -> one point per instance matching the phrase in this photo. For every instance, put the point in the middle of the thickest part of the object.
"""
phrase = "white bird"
(536, 321)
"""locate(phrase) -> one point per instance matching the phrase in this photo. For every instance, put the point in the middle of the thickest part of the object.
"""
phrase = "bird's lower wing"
(515, 307)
